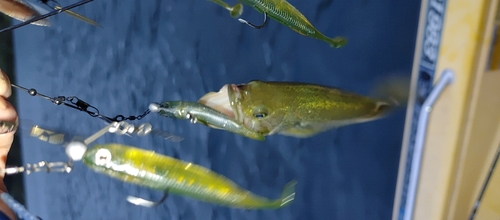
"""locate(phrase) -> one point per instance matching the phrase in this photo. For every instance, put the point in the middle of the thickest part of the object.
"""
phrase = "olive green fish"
(293, 109)
(286, 14)
(167, 174)
(199, 113)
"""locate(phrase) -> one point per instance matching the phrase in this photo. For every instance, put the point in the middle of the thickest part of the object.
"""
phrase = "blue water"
(153, 51)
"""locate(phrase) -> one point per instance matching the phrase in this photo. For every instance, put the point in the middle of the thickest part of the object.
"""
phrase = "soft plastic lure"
(284, 13)
(79, 16)
(199, 113)
(72, 13)
(163, 173)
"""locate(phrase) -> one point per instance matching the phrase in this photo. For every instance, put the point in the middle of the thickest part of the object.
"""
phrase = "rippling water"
(152, 51)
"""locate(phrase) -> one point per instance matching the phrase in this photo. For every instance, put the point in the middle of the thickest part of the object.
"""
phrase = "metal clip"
(49, 167)
(125, 128)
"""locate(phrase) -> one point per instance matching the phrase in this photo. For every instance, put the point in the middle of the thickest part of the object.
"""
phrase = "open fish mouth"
(219, 101)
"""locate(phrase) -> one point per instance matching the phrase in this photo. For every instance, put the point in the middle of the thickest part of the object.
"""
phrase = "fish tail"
(287, 196)
(338, 42)
(393, 89)
(236, 11)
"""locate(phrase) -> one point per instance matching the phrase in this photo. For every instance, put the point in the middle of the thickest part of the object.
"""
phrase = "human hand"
(7, 114)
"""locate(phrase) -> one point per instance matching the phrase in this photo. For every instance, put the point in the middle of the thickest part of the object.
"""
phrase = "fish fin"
(338, 42)
(288, 194)
(299, 132)
(79, 16)
(234, 11)
(394, 89)
(146, 203)
(303, 129)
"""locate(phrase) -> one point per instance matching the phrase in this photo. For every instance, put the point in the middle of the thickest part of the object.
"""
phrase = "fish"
(234, 11)
(286, 14)
(167, 174)
(202, 114)
(293, 109)
(21, 11)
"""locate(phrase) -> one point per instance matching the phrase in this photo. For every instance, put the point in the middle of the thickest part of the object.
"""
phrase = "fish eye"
(260, 112)
(102, 157)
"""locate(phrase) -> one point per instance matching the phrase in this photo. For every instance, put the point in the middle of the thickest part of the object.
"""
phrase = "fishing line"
(485, 185)
(80, 105)
(40, 17)
(75, 151)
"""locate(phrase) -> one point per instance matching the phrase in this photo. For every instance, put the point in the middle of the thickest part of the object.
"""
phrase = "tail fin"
(236, 11)
(394, 89)
(287, 196)
(338, 42)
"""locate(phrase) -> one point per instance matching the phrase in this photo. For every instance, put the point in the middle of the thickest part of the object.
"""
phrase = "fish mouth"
(227, 101)
(219, 101)
(235, 98)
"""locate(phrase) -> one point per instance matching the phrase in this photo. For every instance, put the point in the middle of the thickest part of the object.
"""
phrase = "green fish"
(170, 175)
(286, 14)
(293, 109)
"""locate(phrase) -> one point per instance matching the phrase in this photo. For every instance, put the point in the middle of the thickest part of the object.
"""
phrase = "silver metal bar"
(446, 78)
(100, 133)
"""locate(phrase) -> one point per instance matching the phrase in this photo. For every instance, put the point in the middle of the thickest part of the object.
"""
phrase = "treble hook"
(253, 25)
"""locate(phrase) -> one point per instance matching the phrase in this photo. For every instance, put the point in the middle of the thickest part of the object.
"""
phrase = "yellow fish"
(160, 172)
(293, 109)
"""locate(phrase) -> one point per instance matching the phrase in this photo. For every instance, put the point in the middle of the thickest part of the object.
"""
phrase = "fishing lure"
(72, 13)
(80, 105)
(22, 11)
(163, 173)
(293, 109)
(156, 171)
(284, 13)
(199, 113)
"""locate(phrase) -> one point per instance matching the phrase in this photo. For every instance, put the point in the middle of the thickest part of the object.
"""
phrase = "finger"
(7, 114)
(5, 88)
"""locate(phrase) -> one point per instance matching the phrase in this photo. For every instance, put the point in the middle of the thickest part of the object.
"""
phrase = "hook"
(146, 203)
(253, 25)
